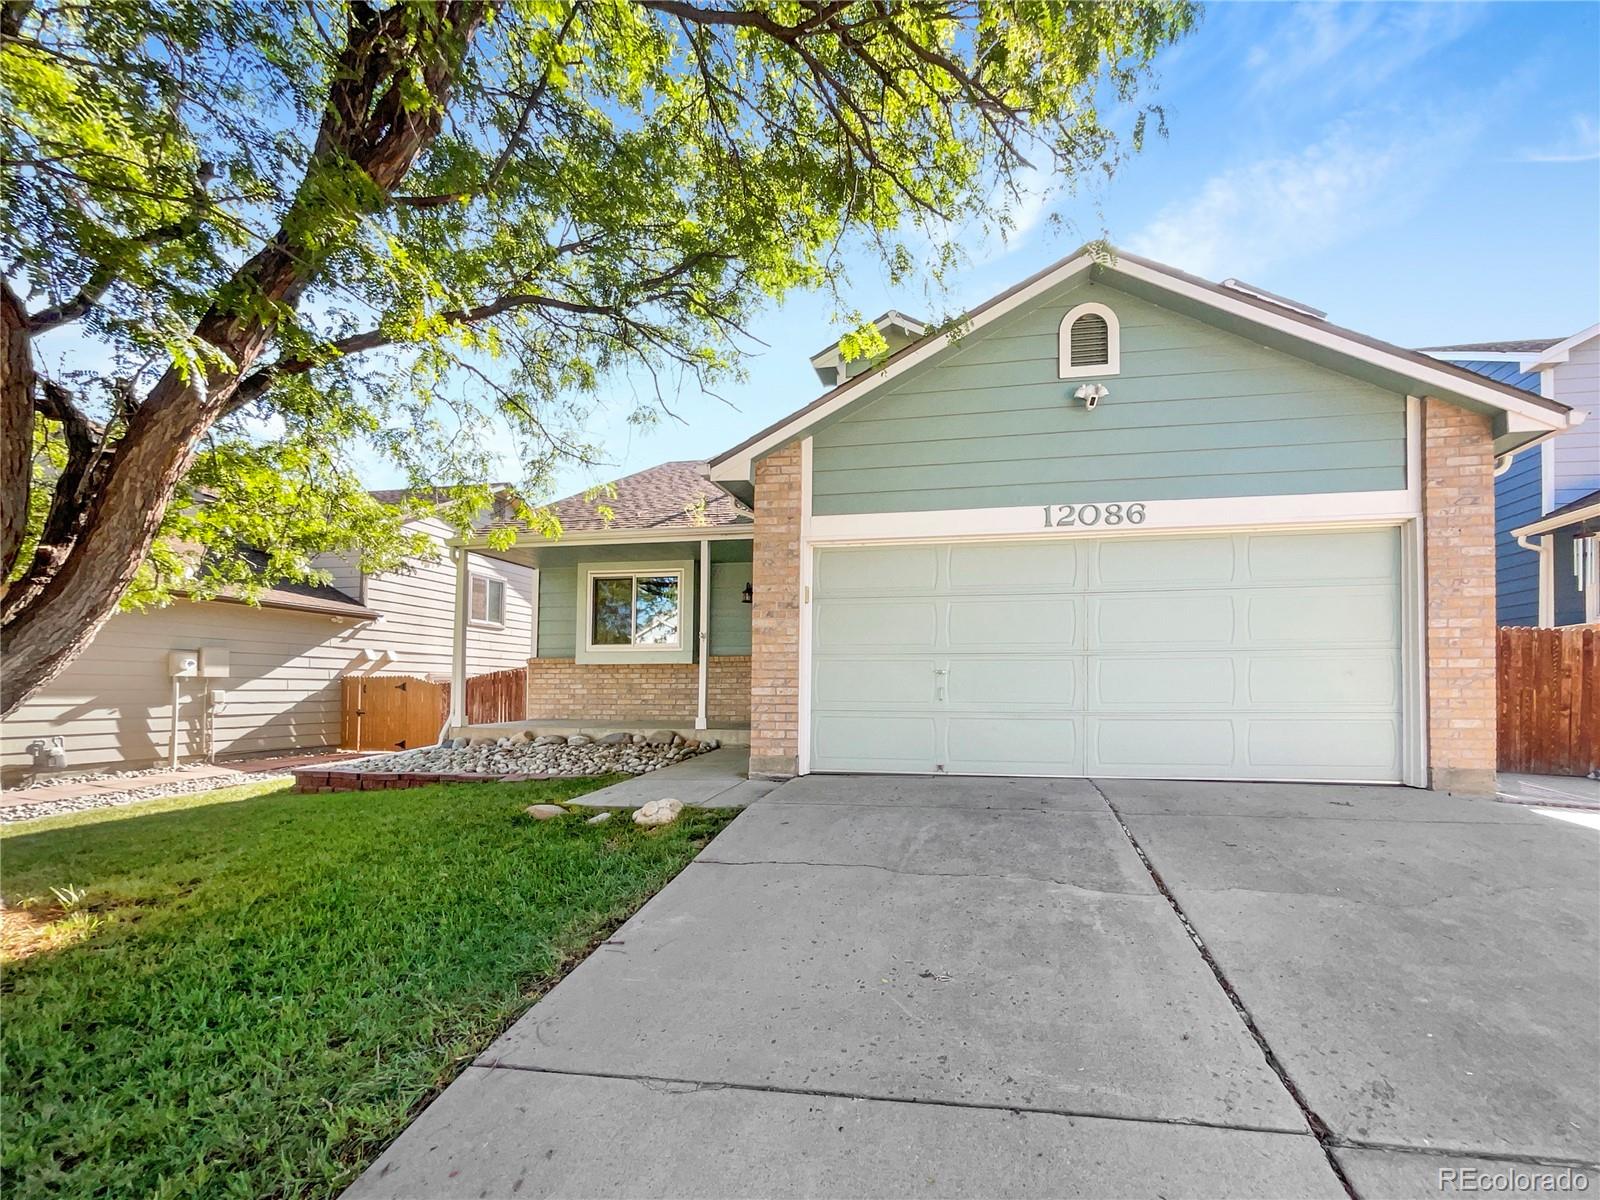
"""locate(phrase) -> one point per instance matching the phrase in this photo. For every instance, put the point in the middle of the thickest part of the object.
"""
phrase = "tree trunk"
(368, 122)
(16, 429)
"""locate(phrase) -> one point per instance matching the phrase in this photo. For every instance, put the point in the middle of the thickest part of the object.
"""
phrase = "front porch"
(632, 630)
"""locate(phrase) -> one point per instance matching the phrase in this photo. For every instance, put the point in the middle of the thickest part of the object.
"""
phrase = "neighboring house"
(113, 704)
(1115, 521)
(1569, 544)
(1544, 585)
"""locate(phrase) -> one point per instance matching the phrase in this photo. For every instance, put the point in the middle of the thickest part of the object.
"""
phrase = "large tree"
(245, 242)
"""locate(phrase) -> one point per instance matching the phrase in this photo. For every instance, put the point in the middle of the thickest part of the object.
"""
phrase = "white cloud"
(1353, 47)
(1582, 144)
(1249, 217)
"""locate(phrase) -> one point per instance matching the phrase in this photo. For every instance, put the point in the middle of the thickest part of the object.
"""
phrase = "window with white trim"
(1091, 343)
(486, 602)
(640, 610)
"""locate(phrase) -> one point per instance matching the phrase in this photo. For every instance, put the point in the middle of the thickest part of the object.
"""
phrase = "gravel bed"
(109, 776)
(12, 813)
(550, 754)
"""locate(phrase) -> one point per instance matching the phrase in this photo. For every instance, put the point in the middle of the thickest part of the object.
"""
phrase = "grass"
(249, 992)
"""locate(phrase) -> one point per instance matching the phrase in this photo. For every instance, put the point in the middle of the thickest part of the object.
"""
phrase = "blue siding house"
(1549, 586)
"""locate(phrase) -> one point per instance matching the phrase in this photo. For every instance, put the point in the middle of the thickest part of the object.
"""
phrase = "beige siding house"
(114, 704)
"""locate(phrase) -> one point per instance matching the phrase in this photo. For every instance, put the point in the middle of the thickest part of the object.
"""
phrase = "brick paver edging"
(346, 780)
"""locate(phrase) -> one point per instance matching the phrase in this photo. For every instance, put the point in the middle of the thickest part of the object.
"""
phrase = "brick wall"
(562, 690)
(775, 623)
(1458, 537)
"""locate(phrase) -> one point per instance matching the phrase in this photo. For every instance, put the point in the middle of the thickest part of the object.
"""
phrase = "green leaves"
(605, 187)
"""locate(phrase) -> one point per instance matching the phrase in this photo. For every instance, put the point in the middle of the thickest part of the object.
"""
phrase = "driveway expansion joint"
(677, 1086)
(865, 866)
(1314, 1122)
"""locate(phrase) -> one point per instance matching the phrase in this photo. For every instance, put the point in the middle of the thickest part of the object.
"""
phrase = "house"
(283, 659)
(1543, 583)
(1117, 521)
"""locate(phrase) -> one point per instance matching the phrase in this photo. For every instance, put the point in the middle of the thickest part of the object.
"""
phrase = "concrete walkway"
(987, 987)
(1550, 789)
(715, 780)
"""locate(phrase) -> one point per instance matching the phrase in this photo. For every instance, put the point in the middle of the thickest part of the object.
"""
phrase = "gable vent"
(1091, 341)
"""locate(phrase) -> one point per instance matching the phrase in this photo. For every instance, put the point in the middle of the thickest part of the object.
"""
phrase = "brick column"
(775, 619)
(1459, 577)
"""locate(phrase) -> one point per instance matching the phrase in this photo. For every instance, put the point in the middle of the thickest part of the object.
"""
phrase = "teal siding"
(1194, 412)
(558, 590)
(730, 615)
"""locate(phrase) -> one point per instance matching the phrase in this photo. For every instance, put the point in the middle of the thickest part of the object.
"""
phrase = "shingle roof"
(1502, 372)
(672, 495)
(1573, 507)
(1522, 346)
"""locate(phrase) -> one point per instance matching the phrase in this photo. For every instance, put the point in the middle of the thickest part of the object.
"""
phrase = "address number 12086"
(1056, 515)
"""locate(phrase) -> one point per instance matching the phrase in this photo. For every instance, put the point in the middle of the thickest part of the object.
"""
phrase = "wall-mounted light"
(1091, 394)
(749, 596)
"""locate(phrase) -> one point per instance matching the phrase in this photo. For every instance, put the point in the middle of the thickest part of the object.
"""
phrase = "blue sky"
(1425, 173)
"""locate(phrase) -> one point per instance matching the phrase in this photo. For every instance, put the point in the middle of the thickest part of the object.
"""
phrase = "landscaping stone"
(658, 812)
(614, 739)
(550, 739)
(638, 739)
(544, 812)
(661, 737)
(598, 819)
(579, 739)
(460, 743)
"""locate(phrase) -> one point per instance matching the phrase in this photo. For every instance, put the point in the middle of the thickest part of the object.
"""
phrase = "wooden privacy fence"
(1549, 681)
(397, 712)
(495, 697)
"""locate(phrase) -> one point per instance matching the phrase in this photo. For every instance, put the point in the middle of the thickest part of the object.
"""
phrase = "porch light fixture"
(749, 594)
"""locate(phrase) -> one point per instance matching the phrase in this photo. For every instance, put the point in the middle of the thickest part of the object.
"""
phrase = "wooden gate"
(391, 712)
(1549, 718)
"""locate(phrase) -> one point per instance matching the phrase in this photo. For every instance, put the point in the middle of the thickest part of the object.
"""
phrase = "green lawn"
(251, 992)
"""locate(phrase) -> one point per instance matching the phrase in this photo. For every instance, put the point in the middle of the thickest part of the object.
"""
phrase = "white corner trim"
(1028, 521)
(1547, 583)
(807, 563)
(1113, 363)
(458, 643)
(1414, 651)
(703, 637)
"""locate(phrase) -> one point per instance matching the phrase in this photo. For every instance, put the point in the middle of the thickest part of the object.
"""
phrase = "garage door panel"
(872, 682)
(1334, 616)
(878, 624)
(1160, 746)
(1162, 560)
(877, 570)
(1013, 746)
(1051, 567)
(1162, 681)
(1369, 680)
(868, 742)
(1015, 682)
(1039, 623)
(1323, 555)
(1240, 655)
(1334, 748)
(1158, 621)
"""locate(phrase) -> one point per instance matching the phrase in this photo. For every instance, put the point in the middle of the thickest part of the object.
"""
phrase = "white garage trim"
(807, 567)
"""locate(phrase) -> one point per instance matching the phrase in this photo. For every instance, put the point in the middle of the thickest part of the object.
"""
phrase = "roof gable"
(1247, 314)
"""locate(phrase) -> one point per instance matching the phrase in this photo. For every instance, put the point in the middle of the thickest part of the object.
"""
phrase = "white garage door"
(1220, 656)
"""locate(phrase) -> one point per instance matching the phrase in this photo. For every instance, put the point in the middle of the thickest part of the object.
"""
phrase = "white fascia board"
(1560, 352)
(740, 466)
(1551, 524)
(1542, 417)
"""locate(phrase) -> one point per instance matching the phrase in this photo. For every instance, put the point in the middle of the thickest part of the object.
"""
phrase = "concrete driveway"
(987, 987)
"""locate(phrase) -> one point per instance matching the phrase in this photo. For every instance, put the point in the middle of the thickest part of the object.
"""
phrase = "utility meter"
(183, 664)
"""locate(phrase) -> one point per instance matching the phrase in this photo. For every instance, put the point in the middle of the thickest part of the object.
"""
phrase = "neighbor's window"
(488, 601)
(636, 610)
(1090, 342)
